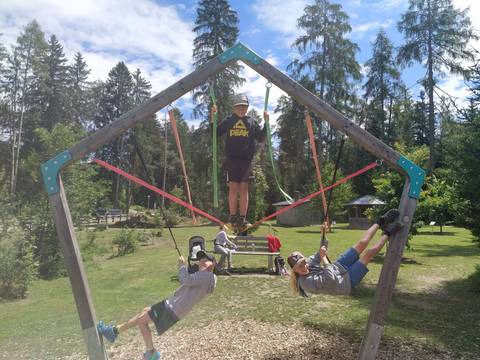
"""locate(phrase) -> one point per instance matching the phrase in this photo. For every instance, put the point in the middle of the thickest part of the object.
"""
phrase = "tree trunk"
(431, 113)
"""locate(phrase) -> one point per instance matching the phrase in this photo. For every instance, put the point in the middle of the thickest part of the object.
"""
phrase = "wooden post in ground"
(76, 272)
(388, 278)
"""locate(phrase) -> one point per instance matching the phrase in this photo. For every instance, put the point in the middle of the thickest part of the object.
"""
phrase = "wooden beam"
(76, 272)
(150, 107)
(388, 278)
(328, 113)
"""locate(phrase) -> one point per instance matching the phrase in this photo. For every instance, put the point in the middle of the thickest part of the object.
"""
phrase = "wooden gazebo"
(357, 219)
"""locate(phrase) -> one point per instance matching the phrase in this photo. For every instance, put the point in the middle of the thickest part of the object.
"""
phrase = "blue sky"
(156, 36)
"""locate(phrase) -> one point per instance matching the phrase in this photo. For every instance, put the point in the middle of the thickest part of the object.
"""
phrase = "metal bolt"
(51, 188)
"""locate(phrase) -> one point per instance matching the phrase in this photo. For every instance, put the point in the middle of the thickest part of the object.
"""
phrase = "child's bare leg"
(234, 188)
(243, 189)
(367, 236)
(369, 254)
(141, 320)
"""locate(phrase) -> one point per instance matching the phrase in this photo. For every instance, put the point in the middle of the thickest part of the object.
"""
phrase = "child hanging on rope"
(241, 133)
(167, 312)
(317, 275)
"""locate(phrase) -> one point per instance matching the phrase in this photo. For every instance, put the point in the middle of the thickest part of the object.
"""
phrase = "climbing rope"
(308, 121)
(214, 115)
(287, 197)
(173, 122)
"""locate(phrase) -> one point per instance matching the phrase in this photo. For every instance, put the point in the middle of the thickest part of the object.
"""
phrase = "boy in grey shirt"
(194, 287)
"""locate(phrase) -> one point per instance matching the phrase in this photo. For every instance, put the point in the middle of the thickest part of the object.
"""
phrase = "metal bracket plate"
(239, 52)
(50, 170)
(416, 175)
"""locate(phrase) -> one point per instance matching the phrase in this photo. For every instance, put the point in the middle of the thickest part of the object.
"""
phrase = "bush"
(90, 249)
(126, 242)
(172, 218)
(16, 266)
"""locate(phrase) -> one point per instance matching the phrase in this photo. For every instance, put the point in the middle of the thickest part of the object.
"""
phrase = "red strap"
(157, 190)
(308, 121)
(173, 122)
(306, 198)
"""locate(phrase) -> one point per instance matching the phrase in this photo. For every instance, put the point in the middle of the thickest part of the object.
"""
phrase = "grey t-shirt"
(194, 288)
(327, 279)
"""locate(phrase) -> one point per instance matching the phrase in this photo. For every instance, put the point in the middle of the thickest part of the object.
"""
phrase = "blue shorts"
(356, 269)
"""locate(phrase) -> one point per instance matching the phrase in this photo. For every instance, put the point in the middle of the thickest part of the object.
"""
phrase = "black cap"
(202, 254)
(294, 258)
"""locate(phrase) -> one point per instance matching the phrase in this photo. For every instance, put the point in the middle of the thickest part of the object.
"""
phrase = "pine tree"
(382, 77)
(436, 35)
(216, 26)
(25, 61)
(328, 58)
(117, 99)
(48, 97)
(79, 88)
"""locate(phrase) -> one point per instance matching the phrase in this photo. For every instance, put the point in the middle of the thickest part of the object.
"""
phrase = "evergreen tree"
(216, 26)
(436, 35)
(53, 88)
(328, 58)
(78, 94)
(382, 77)
(23, 66)
(116, 100)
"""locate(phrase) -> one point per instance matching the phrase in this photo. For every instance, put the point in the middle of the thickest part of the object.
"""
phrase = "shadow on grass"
(380, 259)
(447, 250)
(448, 315)
(251, 271)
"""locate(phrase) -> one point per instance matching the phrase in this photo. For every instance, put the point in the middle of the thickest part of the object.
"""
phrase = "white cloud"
(359, 31)
(455, 87)
(142, 34)
(389, 5)
(256, 90)
(281, 16)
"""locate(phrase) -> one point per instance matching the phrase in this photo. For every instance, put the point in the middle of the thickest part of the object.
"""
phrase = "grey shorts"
(162, 316)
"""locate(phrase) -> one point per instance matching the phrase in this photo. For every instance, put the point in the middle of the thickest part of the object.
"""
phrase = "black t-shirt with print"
(241, 135)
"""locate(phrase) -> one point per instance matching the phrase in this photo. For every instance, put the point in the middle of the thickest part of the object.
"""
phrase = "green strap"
(269, 146)
(214, 151)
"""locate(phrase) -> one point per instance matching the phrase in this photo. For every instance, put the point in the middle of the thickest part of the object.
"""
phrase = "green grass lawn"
(432, 304)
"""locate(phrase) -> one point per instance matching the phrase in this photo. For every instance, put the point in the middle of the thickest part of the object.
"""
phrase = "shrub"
(16, 265)
(126, 242)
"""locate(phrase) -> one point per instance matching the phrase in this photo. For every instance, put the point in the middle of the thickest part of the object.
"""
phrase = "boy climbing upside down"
(194, 287)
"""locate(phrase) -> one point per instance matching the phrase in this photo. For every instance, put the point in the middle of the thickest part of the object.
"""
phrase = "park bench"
(108, 213)
(115, 213)
(254, 245)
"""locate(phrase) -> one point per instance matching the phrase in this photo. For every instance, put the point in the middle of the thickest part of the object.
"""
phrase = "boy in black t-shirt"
(241, 133)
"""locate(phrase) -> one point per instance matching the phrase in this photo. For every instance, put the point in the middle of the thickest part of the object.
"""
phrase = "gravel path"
(250, 340)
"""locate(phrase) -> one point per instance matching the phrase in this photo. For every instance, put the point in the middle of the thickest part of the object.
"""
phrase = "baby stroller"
(195, 244)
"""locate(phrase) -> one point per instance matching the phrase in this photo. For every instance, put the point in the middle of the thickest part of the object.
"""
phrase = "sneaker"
(151, 355)
(392, 228)
(243, 224)
(232, 221)
(109, 332)
(387, 218)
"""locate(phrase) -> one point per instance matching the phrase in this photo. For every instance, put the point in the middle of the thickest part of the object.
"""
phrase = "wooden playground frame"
(414, 177)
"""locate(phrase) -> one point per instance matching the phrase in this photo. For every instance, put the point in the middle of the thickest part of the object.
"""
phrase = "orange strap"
(171, 115)
(308, 121)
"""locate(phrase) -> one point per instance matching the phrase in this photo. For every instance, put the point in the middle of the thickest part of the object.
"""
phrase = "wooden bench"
(253, 245)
